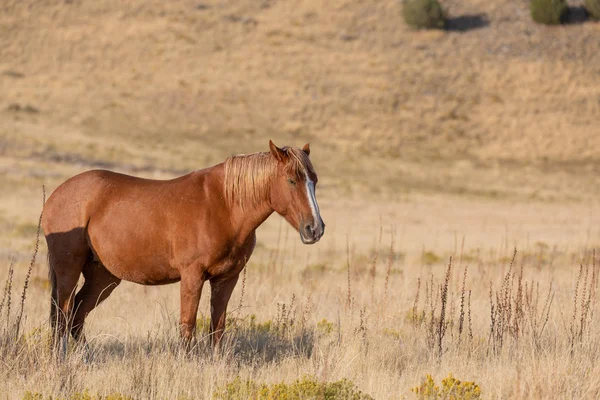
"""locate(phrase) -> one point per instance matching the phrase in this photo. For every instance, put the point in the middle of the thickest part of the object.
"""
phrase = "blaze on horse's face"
(293, 195)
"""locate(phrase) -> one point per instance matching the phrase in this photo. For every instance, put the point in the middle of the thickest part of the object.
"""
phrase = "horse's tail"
(54, 296)
(52, 278)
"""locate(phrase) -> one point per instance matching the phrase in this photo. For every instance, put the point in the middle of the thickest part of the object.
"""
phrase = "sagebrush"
(548, 12)
(424, 14)
(593, 9)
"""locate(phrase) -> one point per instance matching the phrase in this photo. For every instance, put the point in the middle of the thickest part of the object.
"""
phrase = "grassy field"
(465, 143)
(381, 316)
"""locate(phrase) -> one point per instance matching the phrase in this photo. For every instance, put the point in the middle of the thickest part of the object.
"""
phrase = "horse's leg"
(190, 291)
(99, 284)
(221, 289)
(66, 254)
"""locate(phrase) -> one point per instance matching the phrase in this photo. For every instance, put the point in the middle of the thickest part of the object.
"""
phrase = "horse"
(195, 228)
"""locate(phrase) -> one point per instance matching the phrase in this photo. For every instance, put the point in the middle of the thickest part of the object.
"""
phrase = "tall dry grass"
(520, 324)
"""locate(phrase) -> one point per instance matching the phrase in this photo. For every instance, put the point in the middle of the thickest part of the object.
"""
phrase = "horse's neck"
(244, 220)
(247, 220)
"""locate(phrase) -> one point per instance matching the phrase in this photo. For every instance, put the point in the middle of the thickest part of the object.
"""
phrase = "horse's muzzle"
(311, 233)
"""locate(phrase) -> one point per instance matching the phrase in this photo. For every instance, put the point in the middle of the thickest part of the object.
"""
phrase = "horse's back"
(73, 203)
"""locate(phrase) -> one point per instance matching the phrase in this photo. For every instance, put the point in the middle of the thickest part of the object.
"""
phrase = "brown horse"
(195, 228)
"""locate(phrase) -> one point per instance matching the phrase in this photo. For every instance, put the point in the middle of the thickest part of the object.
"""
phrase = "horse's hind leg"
(67, 253)
(99, 284)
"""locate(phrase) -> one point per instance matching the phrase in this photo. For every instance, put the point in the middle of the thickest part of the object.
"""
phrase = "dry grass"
(531, 321)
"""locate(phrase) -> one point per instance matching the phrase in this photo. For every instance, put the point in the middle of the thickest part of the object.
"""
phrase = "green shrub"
(393, 333)
(426, 14)
(593, 9)
(451, 388)
(261, 327)
(430, 258)
(85, 395)
(325, 327)
(248, 324)
(305, 388)
(548, 12)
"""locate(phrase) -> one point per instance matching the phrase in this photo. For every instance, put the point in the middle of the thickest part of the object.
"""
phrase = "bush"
(325, 327)
(85, 395)
(451, 388)
(548, 12)
(593, 9)
(305, 388)
(426, 14)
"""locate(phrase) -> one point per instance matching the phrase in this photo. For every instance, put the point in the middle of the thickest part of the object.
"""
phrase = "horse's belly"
(135, 259)
(144, 273)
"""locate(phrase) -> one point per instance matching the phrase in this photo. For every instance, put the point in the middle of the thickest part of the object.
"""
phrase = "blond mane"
(248, 178)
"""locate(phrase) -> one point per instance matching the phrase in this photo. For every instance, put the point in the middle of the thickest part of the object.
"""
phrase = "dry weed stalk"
(362, 329)
(519, 313)
(594, 285)
(243, 290)
(460, 262)
(573, 328)
(461, 317)
(585, 296)
(584, 306)
(492, 315)
(6, 297)
(545, 314)
(416, 303)
(306, 312)
(389, 265)
(469, 318)
(436, 325)
(349, 297)
(286, 317)
(441, 330)
(506, 313)
(32, 263)
(431, 308)
(373, 271)
(451, 315)
(292, 311)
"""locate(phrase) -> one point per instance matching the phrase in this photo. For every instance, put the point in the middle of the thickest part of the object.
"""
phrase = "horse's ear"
(278, 153)
(306, 149)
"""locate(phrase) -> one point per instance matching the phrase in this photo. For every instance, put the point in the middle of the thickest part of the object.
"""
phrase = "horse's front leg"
(190, 291)
(221, 289)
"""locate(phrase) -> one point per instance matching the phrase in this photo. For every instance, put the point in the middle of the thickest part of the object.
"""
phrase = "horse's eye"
(291, 181)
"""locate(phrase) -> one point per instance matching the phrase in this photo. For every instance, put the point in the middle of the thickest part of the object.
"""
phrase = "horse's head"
(293, 192)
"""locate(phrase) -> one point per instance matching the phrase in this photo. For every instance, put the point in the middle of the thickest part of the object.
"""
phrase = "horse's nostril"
(308, 229)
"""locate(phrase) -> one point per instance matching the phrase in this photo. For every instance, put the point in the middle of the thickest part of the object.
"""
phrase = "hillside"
(496, 106)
